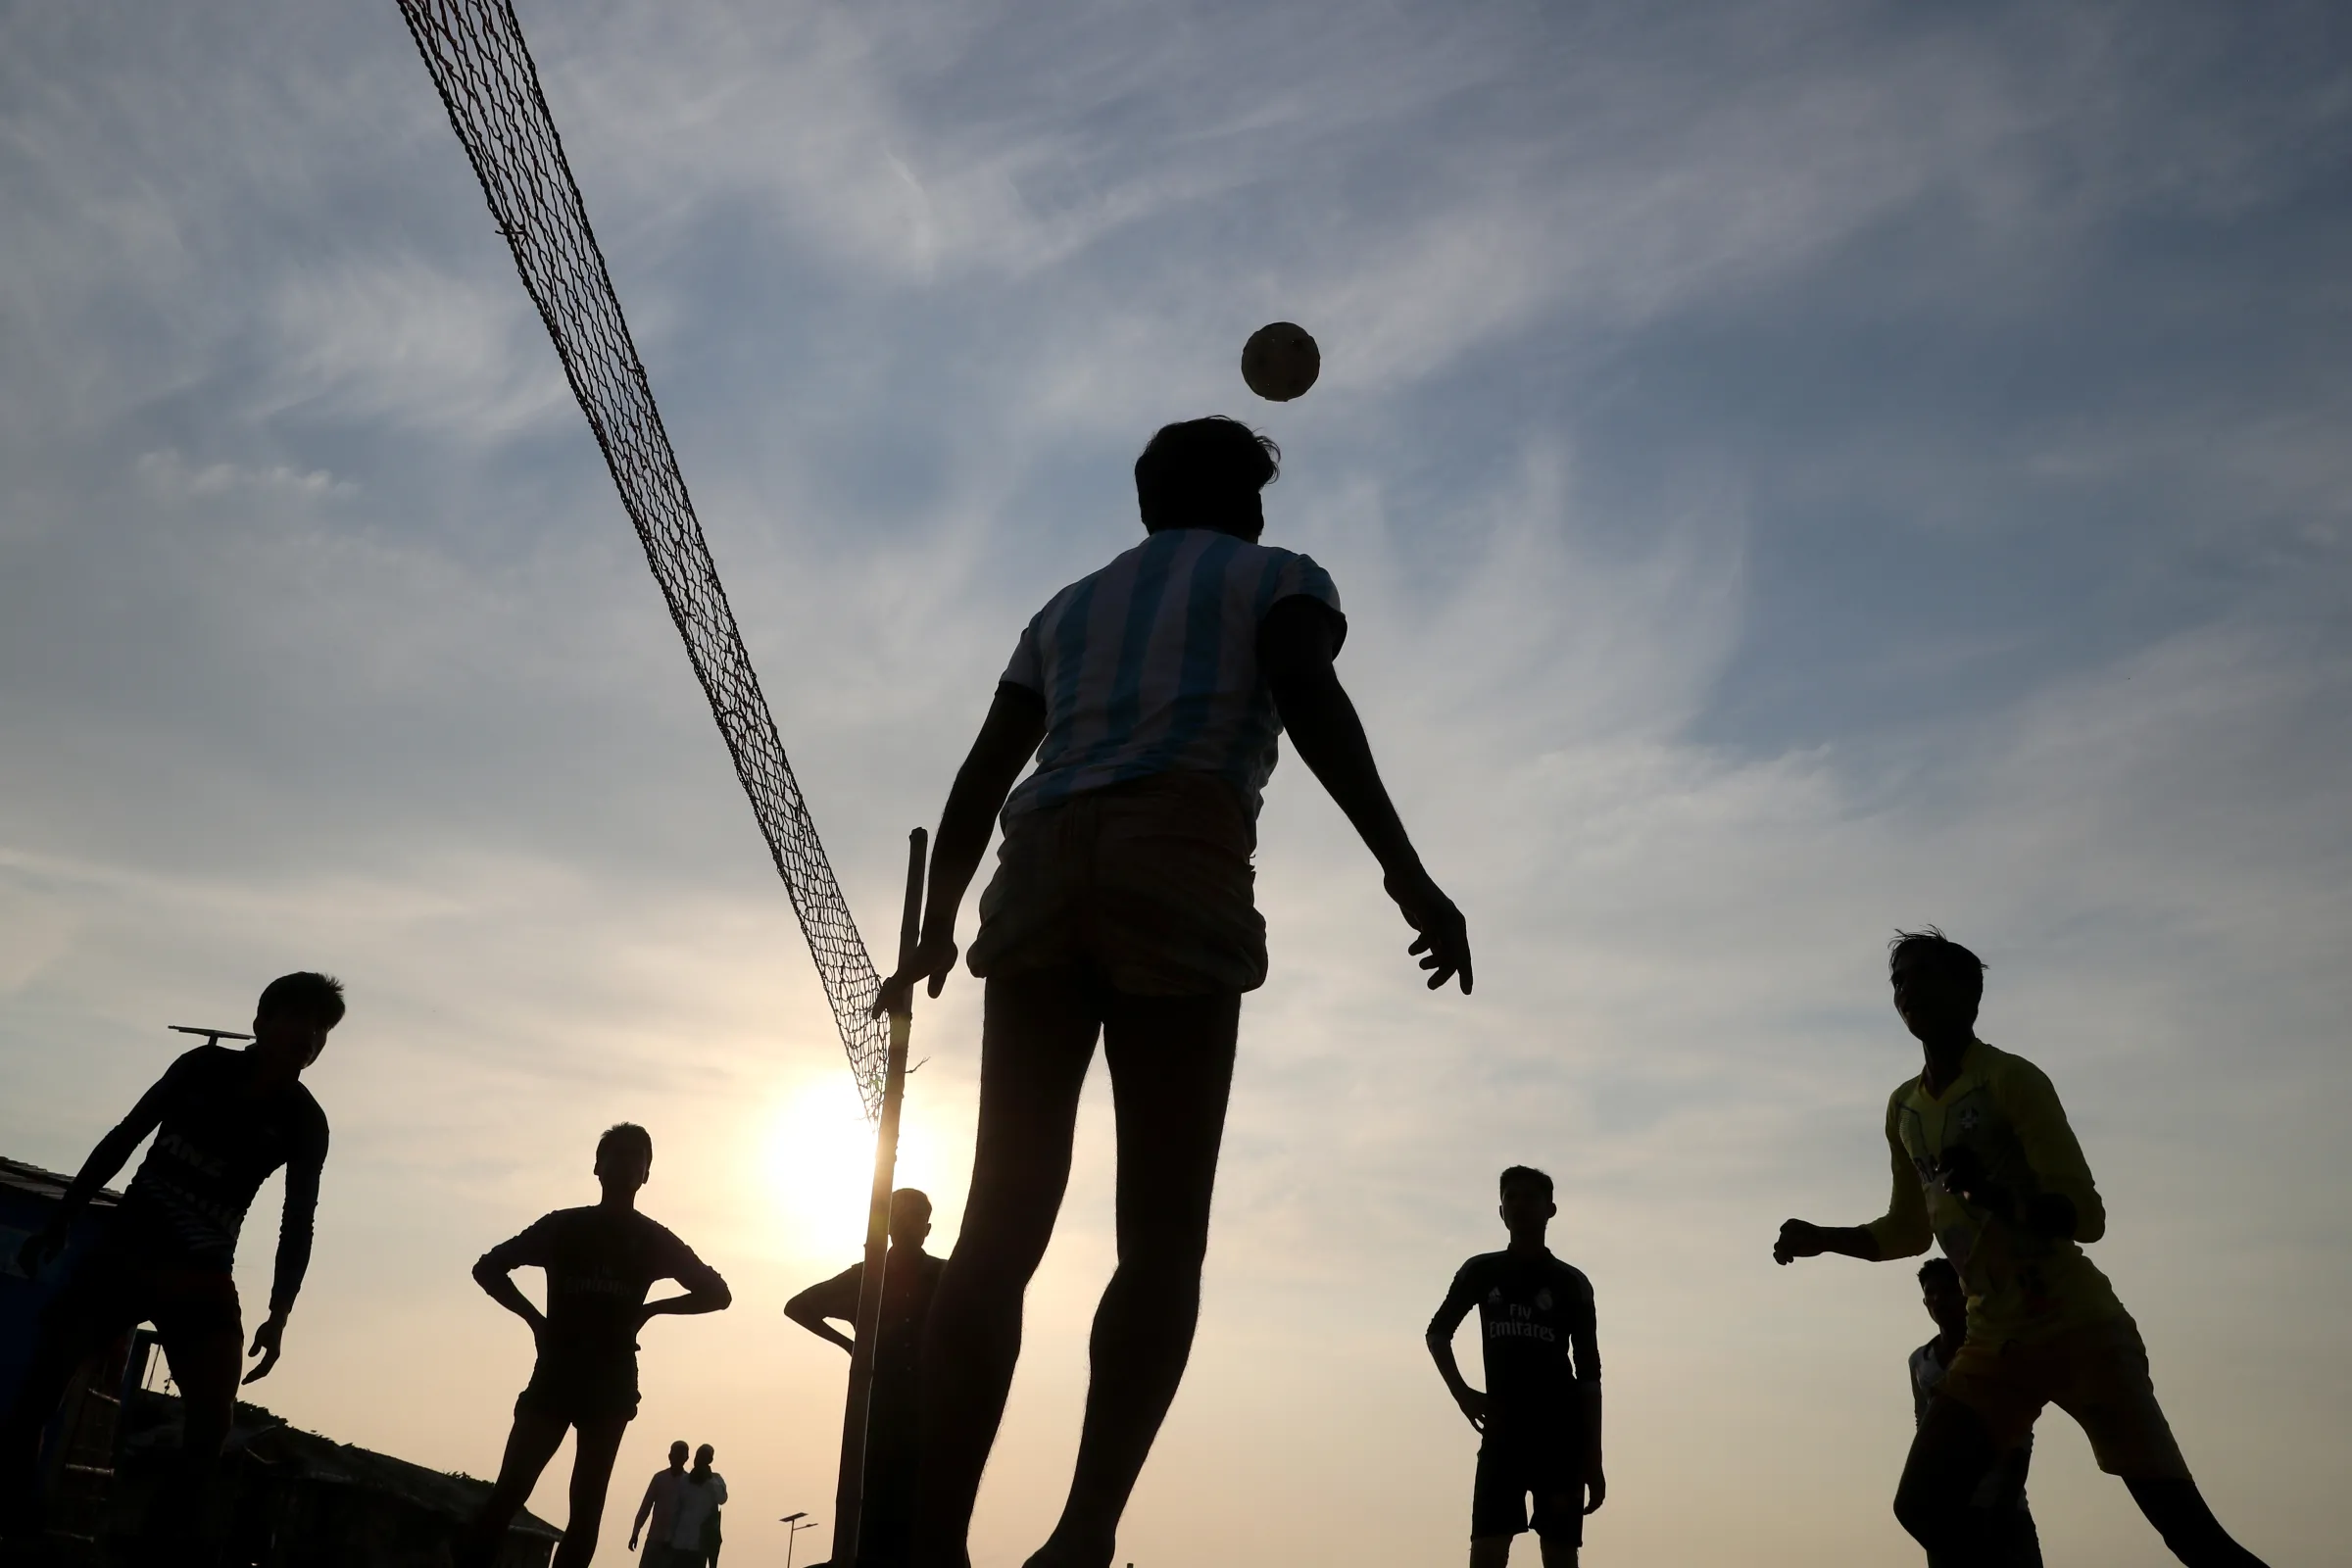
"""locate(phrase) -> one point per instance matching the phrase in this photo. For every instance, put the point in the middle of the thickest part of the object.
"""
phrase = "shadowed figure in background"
(659, 1507)
(694, 1534)
(223, 1121)
(1539, 1416)
(600, 1262)
(2008, 1525)
(909, 1279)
(1152, 694)
(1985, 1162)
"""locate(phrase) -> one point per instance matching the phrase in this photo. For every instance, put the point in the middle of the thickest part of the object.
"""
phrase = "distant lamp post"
(791, 1529)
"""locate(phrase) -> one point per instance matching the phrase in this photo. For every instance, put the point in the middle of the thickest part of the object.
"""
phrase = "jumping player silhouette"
(1985, 1162)
(1152, 694)
(223, 1121)
(1539, 1416)
(600, 1262)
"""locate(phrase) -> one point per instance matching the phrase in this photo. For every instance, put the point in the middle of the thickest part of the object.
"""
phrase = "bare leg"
(2179, 1511)
(1558, 1554)
(1037, 1040)
(592, 1459)
(529, 1445)
(1489, 1551)
(1171, 1071)
(1949, 1455)
(206, 1362)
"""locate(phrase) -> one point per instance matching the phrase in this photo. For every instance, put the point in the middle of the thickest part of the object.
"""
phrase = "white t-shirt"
(696, 1501)
(1150, 666)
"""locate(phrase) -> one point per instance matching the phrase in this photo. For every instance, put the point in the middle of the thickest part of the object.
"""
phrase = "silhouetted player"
(1986, 1164)
(2008, 1525)
(1122, 907)
(223, 1121)
(659, 1508)
(885, 1534)
(1539, 1415)
(600, 1262)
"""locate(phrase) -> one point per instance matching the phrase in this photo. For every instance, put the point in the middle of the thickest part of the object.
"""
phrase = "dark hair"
(629, 1133)
(317, 997)
(915, 1192)
(1202, 469)
(1948, 967)
(1940, 1268)
(1524, 1173)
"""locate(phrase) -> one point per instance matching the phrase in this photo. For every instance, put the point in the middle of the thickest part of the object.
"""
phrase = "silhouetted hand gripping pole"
(850, 1497)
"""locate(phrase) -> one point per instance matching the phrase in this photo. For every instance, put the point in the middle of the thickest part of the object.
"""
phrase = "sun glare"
(818, 1159)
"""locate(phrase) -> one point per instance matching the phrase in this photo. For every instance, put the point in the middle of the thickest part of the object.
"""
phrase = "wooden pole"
(850, 1494)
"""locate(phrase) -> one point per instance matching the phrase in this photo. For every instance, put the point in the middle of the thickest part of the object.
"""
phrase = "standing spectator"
(660, 1506)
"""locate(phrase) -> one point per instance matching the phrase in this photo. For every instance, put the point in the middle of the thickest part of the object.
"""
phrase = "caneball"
(1280, 362)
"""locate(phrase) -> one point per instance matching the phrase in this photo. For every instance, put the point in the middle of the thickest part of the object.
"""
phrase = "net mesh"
(480, 63)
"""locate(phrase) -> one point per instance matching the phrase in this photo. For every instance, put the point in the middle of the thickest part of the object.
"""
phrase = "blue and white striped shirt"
(1150, 666)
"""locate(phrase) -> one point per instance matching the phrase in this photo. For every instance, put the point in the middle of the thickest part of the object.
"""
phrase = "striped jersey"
(1150, 666)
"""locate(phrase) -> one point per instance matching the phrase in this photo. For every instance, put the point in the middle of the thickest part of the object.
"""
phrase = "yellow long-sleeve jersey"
(2021, 1286)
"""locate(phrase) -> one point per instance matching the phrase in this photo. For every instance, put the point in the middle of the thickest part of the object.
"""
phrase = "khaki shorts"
(2098, 1374)
(1148, 883)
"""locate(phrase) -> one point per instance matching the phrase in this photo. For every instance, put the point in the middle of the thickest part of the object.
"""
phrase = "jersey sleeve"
(1584, 1335)
(534, 1247)
(837, 1297)
(1904, 1230)
(1027, 668)
(1460, 1297)
(677, 1261)
(2026, 1096)
(297, 1225)
(1298, 577)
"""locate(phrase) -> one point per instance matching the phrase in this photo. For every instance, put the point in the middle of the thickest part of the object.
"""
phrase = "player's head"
(677, 1454)
(1526, 1206)
(704, 1455)
(1938, 983)
(1206, 473)
(624, 1156)
(1944, 1296)
(292, 1019)
(910, 1216)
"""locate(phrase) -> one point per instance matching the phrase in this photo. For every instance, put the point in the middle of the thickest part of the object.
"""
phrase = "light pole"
(792, 1529)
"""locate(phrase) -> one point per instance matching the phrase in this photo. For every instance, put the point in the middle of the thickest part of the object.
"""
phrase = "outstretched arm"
(114, 1150)
(1296, 643)
(1008, 737)
(1901, 1232)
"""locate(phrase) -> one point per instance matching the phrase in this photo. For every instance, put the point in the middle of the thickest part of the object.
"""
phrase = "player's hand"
(1474, 1408)
(1444, 941)
(268, 1344)
(1961, 1172)
(1597, 1492)
(40, 1250)
(1798, 1239)
(934, 960)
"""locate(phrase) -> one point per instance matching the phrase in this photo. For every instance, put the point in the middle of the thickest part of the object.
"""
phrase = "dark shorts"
(579, 1389)
(1146, 884)
(117, 1288)
(1511, 1470)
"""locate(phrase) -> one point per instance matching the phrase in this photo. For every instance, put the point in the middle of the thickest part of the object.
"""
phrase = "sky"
(1795, 470)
